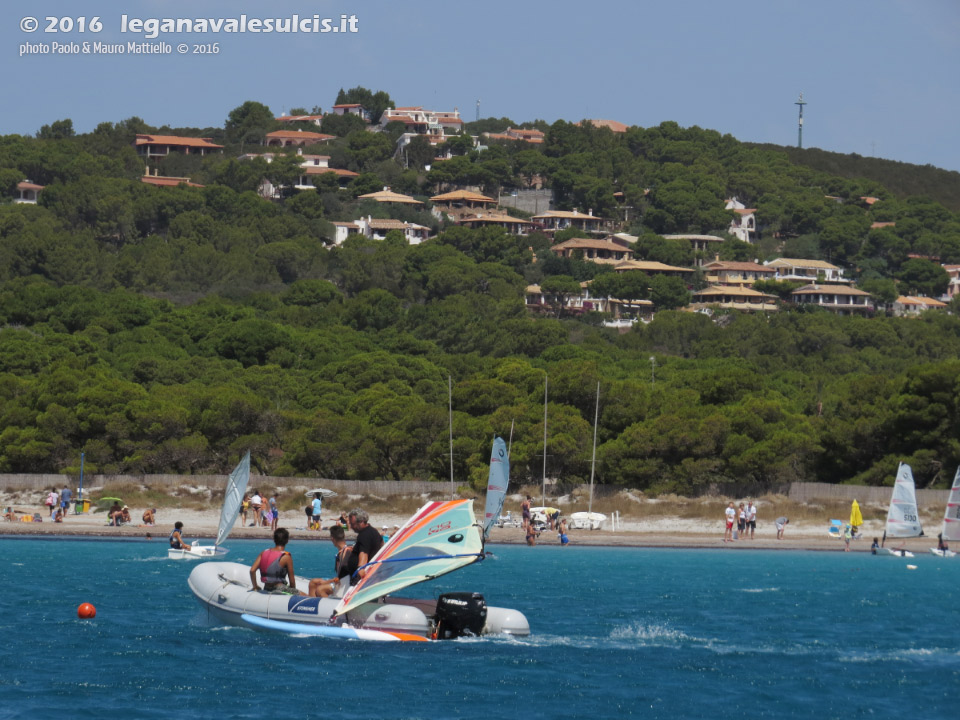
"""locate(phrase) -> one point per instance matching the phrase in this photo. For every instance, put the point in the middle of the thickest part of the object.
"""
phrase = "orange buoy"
(86, 611)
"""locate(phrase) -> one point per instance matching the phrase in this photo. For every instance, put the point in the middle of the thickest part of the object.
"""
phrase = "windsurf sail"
(233, 498)
(441, 537)
(497, 483)
(951, 516)
(902, 518)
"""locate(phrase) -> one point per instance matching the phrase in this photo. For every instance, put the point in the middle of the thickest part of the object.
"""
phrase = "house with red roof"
(298, 138)
(312, 119)
(352, 109)
(740, 274)
(744, 223)
(27, 193)
(159, 146)
(593, 249)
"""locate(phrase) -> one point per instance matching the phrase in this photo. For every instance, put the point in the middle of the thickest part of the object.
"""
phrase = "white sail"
(951, 516)
(903, 520)
(497, 483)
(233, 498)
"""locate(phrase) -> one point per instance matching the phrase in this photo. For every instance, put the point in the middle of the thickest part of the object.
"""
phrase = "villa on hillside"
(514, 226)
(733, 298)
(744, 224)
(806, 270)
(534, 137)
(538, 301)
(612, 125)
(27, 193)
(377, 229)
(592, 249)
(723, 272)
(312, 165)
(163, 181)
(458, 203)
(312, 119)
(388, 196)
(159, 146)
(651, 267)
(352, 109)
(907, 305)
(953, 289)
(701, 243)
(840, 299)
(554, 220)
(299, 138)
(424, 122)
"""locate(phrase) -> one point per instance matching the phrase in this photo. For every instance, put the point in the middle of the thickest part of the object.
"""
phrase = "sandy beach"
(662, 531)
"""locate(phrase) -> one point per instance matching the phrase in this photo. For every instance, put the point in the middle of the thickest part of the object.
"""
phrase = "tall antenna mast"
(800, 103)
(478, 109)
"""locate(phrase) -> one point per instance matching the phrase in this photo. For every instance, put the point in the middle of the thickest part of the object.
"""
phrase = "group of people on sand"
(742, 520)
(532, 531)
(265, 511)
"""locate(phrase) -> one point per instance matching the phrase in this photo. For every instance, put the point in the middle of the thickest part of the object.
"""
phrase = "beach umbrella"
(856, 517)
(322, 492)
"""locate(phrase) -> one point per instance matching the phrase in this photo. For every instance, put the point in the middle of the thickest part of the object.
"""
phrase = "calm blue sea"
(616, 633)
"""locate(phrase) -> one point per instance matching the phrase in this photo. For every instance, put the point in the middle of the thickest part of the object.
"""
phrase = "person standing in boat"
(176, 537)
(941, 545)
(367, 545)
(276, 567)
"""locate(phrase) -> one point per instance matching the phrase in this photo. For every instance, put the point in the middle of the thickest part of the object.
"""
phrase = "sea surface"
(617, 632)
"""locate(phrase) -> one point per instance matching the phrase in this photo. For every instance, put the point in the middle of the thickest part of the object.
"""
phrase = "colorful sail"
(951, 516)
(497, 483)
(440, 538)
(233, 498)
(903, 520)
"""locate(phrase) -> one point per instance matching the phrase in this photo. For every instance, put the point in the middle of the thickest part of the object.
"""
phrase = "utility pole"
(800, 103)
(478, 109)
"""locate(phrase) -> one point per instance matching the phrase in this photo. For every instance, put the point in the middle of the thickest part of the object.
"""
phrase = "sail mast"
(593, 461)
(543, 488)
(450, 396)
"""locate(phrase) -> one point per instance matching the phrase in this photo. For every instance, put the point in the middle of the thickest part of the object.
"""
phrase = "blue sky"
(880, 77)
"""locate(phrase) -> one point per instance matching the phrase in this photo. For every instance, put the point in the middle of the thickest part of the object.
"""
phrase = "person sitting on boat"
(149, 516)
(320, 587)
(368, 543)
(176, 537)
(114, 513)
(276, 567)
(941, 545)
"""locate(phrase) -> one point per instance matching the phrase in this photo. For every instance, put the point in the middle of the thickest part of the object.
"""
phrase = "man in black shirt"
(368, 543)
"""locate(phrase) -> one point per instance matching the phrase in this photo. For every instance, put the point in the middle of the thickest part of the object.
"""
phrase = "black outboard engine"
(461, 614)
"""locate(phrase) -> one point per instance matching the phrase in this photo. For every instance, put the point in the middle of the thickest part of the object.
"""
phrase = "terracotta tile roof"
(494, 218)
(797, 262)
(324, 170)
(348, 105)
(176, 140)
(29, 186)
(705, 238)
(617, 127)
(566, 215)
(744, 211)
(875, 225)
(391, 224)
(348, 225)
(732, 291)
(167, 181)
(817, 288)
(590, 243)
(869, 200)
(503, 136)
(749, 266)
(649, 266)
(450, 120)
(924, 301)
(388, 195)
(298, 135)
(464, 195)
(299, 118)
(407, 107)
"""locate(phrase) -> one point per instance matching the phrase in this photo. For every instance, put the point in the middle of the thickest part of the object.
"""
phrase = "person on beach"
(176, 537)
(114, 514)
(320, 587)
(385, 534)
(525, 512)
(10, 515)
(751, 517)
(367, 544)
(150, 516)
(344, 523)
(875, 546)
(58, 518)
(125, 518)
(65, 496)
(741, 521)
(244, 506)
(562, 532)
(847, 537)
(531, 534)
(276, 567)
(52, 501)
(730, 516)
(256, 504)
(274, 512)
(781, 523)
(316, 511)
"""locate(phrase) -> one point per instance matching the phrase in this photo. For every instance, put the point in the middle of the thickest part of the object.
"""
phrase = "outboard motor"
(460, 614)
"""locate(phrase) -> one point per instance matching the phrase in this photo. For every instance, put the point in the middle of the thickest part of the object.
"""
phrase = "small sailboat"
(951, 520)
(903, 520)
(497, 482)
(590, 520)
(232, 499)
